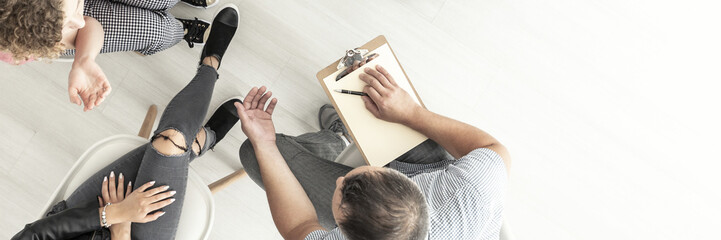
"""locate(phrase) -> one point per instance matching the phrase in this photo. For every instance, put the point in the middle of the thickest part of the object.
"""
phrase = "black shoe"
(221, 33)
(196, 31)
(201, 3)
(223, 119)
(328, 119)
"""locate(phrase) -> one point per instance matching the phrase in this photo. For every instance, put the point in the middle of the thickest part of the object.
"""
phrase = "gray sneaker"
(328, 119)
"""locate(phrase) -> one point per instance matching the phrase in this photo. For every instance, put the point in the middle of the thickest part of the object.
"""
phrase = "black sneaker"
(328, 119)
(221, 33)
(195, 31)
(201, 3)
(223, 119)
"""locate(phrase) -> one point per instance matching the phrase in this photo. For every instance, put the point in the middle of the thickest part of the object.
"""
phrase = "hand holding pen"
(385, 99)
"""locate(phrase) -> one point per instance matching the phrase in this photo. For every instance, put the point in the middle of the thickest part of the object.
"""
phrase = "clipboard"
(384, 148)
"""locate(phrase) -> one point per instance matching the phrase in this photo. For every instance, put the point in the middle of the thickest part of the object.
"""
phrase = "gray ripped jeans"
(184, 113)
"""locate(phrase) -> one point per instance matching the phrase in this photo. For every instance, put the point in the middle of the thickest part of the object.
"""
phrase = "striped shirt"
(465, 196)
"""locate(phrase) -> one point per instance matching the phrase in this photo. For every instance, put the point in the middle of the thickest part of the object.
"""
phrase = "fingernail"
(162, 213)
(112, 174)
(105, 179)
(130, 184)
(152, 182)
(166, 187)
(172, 193)
(172, 200)
(121, 175)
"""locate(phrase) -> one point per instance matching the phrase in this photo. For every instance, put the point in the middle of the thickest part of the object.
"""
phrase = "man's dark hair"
(381, 205)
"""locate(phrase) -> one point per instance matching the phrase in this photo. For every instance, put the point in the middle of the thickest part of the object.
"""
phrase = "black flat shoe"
(196, 31)
(223, 119)
(221, 33)
(201, 3)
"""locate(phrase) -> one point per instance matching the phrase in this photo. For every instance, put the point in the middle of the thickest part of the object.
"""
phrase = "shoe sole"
(209, 6)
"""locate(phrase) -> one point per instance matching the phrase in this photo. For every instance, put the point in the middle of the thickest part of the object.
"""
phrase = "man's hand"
(386, 100)
(257, 123)
(391, 103)
(292, 210)
(89, 82)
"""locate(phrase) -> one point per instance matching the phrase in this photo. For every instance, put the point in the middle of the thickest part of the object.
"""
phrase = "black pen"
(351, 92)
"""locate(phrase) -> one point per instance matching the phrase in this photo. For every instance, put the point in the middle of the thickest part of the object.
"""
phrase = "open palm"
(87, 83)
(256, 120)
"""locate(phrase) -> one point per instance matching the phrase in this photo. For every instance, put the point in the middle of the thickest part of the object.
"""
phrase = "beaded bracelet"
(105, 222)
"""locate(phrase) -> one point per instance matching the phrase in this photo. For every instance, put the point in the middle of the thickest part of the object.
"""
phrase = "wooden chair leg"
(148, 122)
(226, 181)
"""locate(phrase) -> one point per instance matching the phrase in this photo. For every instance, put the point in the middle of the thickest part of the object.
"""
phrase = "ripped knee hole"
(169, 143)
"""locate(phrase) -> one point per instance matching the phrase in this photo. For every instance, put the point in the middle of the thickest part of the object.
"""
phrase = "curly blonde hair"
(31, 28)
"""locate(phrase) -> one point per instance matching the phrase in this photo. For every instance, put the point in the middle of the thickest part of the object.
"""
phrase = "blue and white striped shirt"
(465, 196)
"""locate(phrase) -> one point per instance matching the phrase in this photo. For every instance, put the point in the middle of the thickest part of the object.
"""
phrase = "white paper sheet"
(378, 140)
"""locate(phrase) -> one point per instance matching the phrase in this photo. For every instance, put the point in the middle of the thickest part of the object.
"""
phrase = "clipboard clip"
(352, 56)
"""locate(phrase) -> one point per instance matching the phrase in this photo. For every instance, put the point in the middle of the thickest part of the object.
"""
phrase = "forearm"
(115, 218)
(290, 207)
(89, 40)
(456, 137)
(114, 235)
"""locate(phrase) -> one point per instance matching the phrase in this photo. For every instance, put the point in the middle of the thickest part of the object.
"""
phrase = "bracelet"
(105, 222)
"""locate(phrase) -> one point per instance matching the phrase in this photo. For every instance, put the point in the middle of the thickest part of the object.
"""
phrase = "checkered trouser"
(144, 26)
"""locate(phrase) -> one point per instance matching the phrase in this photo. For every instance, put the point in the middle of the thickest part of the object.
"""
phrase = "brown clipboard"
(377, 42)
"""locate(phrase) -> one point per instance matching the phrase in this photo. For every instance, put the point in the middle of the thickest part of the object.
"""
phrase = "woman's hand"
(87, 80)
(137, 206)
(257, 123)
(114, 195)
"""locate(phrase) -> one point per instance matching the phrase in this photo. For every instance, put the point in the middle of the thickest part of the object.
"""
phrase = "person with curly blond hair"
(31, 28)
(47, 29)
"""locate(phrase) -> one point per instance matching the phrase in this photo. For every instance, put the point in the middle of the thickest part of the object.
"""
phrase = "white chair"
(198, 213)
(351, 156)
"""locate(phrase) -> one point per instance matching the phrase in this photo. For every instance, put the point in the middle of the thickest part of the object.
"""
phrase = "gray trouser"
(184, 113)
(310, 157)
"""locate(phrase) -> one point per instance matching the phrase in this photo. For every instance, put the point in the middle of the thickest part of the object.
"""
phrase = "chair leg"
(226, 181)
(148, 122)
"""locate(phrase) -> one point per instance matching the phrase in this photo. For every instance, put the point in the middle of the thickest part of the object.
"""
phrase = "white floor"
(609, 108)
